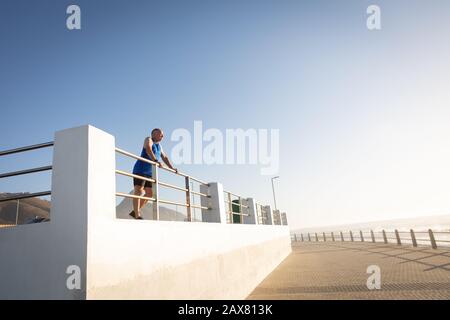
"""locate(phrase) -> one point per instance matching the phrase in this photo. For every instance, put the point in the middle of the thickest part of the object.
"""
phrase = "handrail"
(132, 175)
(183, 204)
(168, 185)
(352, 236)
(200, 194)
(27, 148)
(26, 171)
(126, 153)
(126, 195)
(26, 195)
(234, 194)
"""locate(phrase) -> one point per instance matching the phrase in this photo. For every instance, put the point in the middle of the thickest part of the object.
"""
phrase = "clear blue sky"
(363, 115)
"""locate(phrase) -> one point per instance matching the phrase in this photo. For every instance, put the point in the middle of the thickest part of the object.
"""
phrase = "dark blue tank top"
(141, 167)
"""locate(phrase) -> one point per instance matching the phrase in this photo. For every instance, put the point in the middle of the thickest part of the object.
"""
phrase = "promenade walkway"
(338, 270)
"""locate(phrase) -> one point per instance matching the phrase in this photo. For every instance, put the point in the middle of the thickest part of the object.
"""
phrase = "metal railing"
(236, 205)
(386, 237)
(236, 209)
(18, 197)
(25, 171)
(156, 183)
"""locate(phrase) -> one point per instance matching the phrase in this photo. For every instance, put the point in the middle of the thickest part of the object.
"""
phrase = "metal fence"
(236, 206)
(24, 172)
(429, 237)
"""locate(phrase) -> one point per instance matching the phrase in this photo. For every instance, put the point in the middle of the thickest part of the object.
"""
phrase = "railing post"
(432, 239)
(284, 221)
(332, 236)
(268, 211)
(317, 238)
(361, 235)
(309, 237)
(372, 235)
(351, 236)
(252, 213)
(188, 199)
(215, 202)
(155, 190)
(413, 238)
(241, 211)
(295, 237)
(302, 237)
(397, 235)
(276, 217)
(324, 237)
(230, 215)
(342, 236)
(385, 237)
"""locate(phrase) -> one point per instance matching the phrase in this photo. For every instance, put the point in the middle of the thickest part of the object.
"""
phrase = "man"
(152, 151)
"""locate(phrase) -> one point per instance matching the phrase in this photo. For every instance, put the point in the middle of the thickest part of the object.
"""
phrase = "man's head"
(157, 135)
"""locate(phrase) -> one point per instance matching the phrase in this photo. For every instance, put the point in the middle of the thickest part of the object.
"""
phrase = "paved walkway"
(336, 270)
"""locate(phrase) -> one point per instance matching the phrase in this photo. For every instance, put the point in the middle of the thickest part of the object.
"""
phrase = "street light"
(273, 190)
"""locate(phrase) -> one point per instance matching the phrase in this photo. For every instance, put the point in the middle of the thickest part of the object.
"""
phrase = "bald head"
(157, 135)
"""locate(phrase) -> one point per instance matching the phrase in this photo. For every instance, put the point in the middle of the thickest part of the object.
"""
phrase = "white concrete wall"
(179, 260)
(127, 259)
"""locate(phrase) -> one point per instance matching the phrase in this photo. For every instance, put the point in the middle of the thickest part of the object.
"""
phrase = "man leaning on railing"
(151, 150)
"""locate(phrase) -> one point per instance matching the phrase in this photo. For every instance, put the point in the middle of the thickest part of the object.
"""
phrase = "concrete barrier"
(85, 252)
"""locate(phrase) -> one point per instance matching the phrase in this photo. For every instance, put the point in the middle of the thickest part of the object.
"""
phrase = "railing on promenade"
(17, 197)
(415, 238)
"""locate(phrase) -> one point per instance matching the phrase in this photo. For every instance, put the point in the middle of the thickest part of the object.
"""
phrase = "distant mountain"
(28, 209)
(165, 214)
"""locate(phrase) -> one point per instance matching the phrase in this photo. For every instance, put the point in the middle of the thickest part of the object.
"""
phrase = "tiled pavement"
(336, 270)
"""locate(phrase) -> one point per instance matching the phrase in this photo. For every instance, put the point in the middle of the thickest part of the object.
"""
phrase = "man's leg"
(137, 202)
(149, 194)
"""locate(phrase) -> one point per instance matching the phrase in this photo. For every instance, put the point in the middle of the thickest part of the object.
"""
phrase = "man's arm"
(167, 161)
(148, 147)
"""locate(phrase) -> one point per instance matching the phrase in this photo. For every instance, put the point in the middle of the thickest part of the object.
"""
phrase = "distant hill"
(28, 209)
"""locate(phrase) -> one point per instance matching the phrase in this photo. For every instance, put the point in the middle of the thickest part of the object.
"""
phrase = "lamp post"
(273, 191)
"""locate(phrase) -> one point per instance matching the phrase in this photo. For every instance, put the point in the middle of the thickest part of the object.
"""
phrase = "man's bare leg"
(137, 203)
(148, 194)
